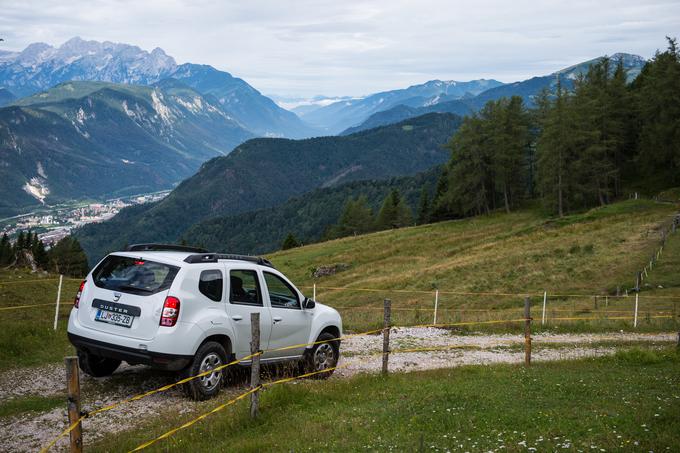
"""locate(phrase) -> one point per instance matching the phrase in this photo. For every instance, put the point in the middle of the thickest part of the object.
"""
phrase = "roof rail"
(163, 247)
(213, 257)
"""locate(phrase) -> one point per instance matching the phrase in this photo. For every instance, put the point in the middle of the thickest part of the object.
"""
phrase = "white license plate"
(114, 318)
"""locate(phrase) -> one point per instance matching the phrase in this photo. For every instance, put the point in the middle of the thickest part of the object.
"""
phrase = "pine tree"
(20, 243)
(5, 250)
(424, 207)
(657, 94)
(509, 129)
(470, 178)
(39, 253)
(356, 218)
(290, 242)
(553, 152)
(28, 241)
(67, 257)
(394, 212)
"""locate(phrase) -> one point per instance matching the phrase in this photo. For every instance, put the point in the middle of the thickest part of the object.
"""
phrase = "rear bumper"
(132, 356)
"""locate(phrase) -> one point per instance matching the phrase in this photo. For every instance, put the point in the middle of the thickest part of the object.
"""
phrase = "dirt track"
(362, 354)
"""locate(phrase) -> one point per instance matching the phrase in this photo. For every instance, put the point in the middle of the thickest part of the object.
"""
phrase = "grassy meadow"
(26, 335)
(625, 402)
(484, 266)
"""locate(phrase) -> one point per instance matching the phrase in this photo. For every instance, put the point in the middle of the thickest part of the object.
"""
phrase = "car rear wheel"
(97, 366)
(209, 356)
(323, 356)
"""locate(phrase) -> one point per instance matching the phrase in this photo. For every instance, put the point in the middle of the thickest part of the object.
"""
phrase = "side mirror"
(309, 304)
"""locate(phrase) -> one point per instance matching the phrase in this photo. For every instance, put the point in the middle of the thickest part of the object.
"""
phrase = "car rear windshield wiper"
(135, 288)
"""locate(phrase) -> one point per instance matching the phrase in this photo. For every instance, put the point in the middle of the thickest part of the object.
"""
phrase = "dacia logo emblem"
(116, 297)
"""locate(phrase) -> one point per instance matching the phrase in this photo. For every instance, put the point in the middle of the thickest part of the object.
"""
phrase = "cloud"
(356, 47)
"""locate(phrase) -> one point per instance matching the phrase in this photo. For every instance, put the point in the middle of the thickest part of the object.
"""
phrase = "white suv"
(183, 309)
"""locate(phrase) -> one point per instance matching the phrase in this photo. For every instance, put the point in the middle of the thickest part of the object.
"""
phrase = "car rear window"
(133, 275)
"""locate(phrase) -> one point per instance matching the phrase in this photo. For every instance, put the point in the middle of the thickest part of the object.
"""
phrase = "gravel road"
(31, 431)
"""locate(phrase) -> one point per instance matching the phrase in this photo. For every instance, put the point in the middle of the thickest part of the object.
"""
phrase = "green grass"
(26, 335)
(625, 402)
(590, 253)
(26, 404)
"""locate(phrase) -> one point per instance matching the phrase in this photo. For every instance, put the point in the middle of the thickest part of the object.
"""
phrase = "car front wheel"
(323, 356)
(209, 356)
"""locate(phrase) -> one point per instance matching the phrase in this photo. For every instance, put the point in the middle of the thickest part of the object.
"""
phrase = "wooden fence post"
(436, 304)
(314, 292)
(56, 312)
(386, 334)
(73, 403)
(527, 331)
(545, 300)
(255, 368)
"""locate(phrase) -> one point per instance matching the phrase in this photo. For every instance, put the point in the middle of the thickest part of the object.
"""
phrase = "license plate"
(114, 318)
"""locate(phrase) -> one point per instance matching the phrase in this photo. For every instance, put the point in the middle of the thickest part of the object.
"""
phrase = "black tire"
(95, 365)
(210, 355)
(323, 355)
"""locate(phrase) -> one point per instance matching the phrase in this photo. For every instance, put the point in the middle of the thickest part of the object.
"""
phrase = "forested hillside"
(265, 172)
(309, 218)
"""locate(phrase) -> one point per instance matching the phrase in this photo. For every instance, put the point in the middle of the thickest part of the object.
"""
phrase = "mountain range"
(97, 139)
(40, 67)
(338, 116)
(526, 89)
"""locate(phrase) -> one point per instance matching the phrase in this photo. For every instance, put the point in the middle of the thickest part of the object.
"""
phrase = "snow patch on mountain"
(161, 109)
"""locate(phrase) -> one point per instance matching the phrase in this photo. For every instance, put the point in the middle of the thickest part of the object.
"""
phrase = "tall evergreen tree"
(424, 207)
(394, 212)
(470, 180)
(39, 253)
(554, 152)
(290, 242)
(511, 135)
(20, 242)
(5, 250)
(67, 257)
(657, 94)
(356, 218)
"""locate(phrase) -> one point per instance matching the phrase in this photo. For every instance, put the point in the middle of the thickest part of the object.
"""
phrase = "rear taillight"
(170, 311)
(76, 301)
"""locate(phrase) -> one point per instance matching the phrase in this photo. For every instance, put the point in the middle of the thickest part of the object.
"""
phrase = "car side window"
(244, 288)
(210, 284)
(281, 294)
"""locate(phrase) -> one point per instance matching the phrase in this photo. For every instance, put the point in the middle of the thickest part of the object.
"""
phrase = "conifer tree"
(424, 207)
(394, 212)
(5, 250)
(657, 94)
(290, 242)
(356, 218)
(554, 152)
(67, 257)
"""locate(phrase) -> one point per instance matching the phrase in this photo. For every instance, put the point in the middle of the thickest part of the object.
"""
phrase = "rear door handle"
(237, 317)
(277, 319)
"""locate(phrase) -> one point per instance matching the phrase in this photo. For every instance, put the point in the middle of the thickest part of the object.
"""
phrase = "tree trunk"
(560, 208)
(505, 198)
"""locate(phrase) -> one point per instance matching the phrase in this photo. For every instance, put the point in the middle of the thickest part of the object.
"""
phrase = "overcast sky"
(346, 47)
